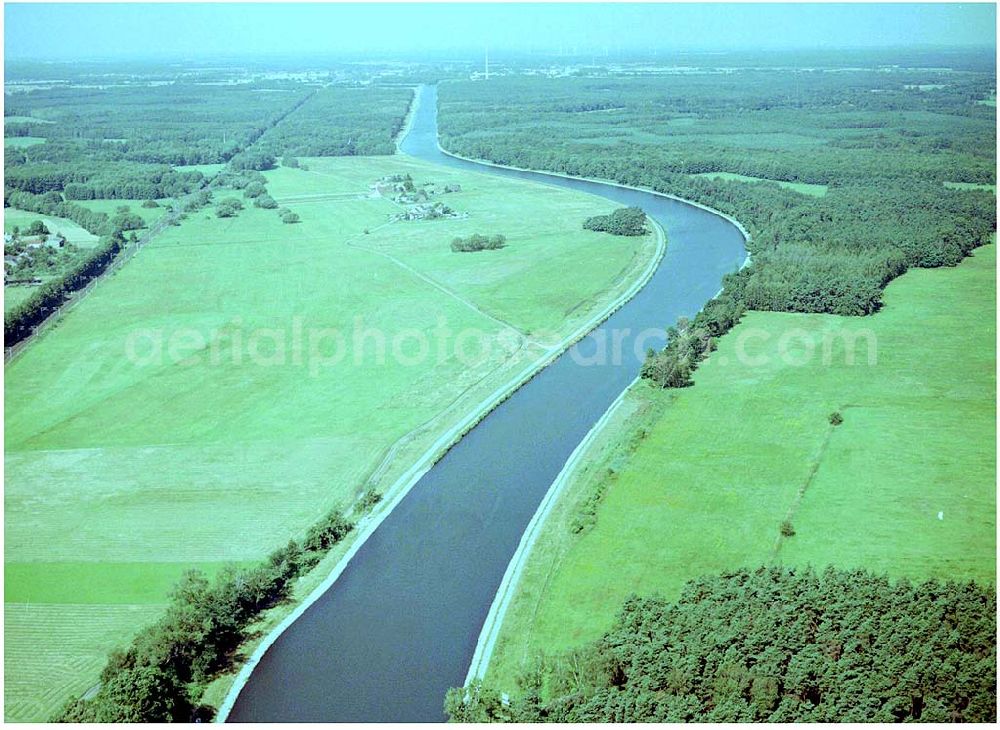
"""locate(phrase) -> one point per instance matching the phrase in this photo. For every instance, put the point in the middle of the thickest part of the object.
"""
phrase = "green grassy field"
(817, 191)
(123, 472)
(15, 142)
(21, 119)
(52, 651)
(14, 295)
(24, 218)
(94, 583)
(702, 478)
(206, 170)
(971, 186)
(150, 215)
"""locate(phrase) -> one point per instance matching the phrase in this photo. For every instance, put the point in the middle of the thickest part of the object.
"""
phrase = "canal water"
(400, 625)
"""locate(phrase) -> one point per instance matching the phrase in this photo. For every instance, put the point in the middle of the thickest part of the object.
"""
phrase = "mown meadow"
(123, 473)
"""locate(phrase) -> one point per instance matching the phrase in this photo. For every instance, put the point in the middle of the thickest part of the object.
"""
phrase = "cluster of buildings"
(416, 200)
(18, 253)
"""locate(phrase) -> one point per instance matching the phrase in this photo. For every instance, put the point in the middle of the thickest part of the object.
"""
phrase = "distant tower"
(487, 63)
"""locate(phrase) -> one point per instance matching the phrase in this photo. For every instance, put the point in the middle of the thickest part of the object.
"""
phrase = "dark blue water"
(400, 625)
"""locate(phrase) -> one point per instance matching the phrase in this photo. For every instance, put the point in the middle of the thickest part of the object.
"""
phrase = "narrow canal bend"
(400, 625)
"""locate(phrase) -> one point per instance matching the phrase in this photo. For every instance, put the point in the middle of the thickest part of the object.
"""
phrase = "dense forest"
(883, 143)
(124, 141)
(178, 123)
(772, 645)
(339, 122)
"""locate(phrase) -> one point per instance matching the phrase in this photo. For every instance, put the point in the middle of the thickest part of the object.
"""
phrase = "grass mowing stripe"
(96, 583)
(52, 651)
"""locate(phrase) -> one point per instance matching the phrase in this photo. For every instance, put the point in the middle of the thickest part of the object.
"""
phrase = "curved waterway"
(400, 624)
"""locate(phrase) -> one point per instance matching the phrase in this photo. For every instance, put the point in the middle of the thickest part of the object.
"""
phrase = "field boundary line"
(810, 478)
(448, 292)
(409, 479)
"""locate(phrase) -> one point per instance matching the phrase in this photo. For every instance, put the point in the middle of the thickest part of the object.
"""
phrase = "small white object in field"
(940, 515)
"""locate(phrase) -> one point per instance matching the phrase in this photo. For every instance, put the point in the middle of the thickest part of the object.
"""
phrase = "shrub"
(125, 220)
(623, 222)
(836, 419)
(37, 228)
(254, 190)
(265, 201)
(150, 204)
(787, 529)
(477, 242)
(369, 499)
(328, 531)
(290, 217)
(228, 207)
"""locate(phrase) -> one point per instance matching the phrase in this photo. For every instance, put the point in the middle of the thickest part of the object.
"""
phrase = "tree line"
(52, 203)
(770, 645)
(95, 179)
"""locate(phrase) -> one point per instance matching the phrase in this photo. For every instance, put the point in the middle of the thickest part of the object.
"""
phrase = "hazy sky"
(52, 31)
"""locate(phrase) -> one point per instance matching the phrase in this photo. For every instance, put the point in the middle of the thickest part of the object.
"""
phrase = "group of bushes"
(161, 675)
(479, 242)
(623, 222)
(771, 645)
(254, 187)
(690, 341)
(228, 207)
